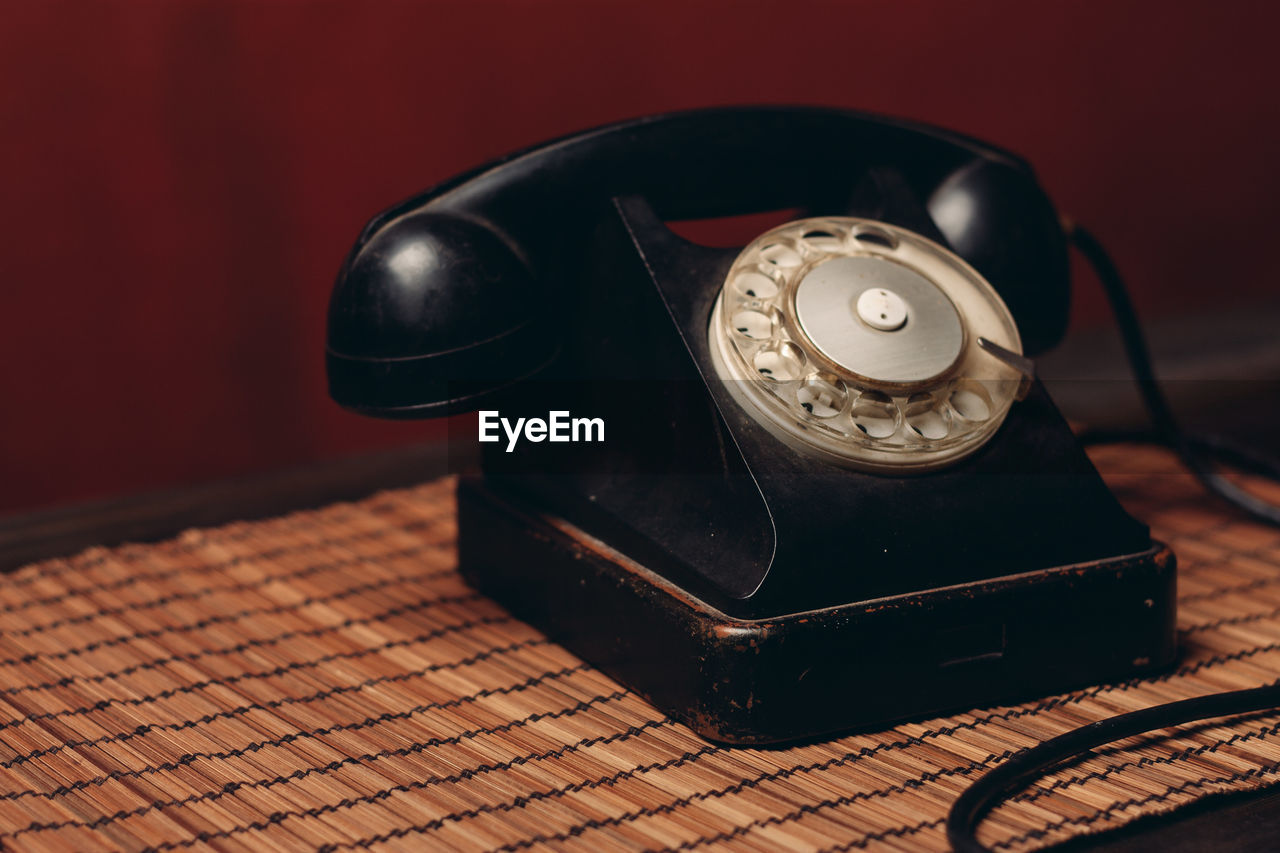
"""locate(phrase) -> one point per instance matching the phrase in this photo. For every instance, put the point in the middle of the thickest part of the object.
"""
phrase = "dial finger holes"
(753, 324)
(781, 363)
(780, 255)
(924, 419)
(821, 240)
(970, 402)
(875, 415)
(873, 236)
(756, 285)
(821, 397)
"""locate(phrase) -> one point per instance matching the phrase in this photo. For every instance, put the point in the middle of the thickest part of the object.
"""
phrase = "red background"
(182, 180)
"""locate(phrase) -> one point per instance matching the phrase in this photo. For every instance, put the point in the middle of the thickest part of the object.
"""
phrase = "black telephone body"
(830, 492)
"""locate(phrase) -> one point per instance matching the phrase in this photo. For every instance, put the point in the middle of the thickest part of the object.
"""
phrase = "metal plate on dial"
(926, 345)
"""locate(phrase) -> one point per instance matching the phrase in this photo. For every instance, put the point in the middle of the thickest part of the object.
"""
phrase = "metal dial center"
(879, 319)
(882, 309)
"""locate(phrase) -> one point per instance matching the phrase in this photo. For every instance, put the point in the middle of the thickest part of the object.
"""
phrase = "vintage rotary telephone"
(831, 492)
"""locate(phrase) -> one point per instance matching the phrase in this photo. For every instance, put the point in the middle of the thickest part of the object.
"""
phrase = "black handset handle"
(447, 296)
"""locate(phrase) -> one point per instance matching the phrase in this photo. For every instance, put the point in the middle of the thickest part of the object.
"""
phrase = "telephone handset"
(410, 337)
(831, 492)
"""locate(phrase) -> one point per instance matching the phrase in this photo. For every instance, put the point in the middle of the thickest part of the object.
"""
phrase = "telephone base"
(856, 665)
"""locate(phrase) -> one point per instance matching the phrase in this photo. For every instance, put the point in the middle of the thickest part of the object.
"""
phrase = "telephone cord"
(1199, 453)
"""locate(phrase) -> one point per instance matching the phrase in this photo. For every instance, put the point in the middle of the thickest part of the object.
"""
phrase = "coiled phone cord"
(1199, 454)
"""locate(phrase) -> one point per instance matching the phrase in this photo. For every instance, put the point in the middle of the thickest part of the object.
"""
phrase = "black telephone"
(830, 492)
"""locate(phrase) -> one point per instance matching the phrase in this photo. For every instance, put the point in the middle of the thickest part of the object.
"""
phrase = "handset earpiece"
(994, 215)
(431, 315)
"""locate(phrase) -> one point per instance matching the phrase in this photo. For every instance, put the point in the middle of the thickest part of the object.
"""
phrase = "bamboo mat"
(325, 680)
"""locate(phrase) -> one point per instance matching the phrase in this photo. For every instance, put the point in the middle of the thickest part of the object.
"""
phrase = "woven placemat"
(326, 680)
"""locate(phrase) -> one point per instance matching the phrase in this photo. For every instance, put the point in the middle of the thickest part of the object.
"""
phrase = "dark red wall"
(181, 180)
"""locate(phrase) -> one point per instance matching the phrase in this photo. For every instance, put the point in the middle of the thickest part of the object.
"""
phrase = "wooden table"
(1249, 821)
